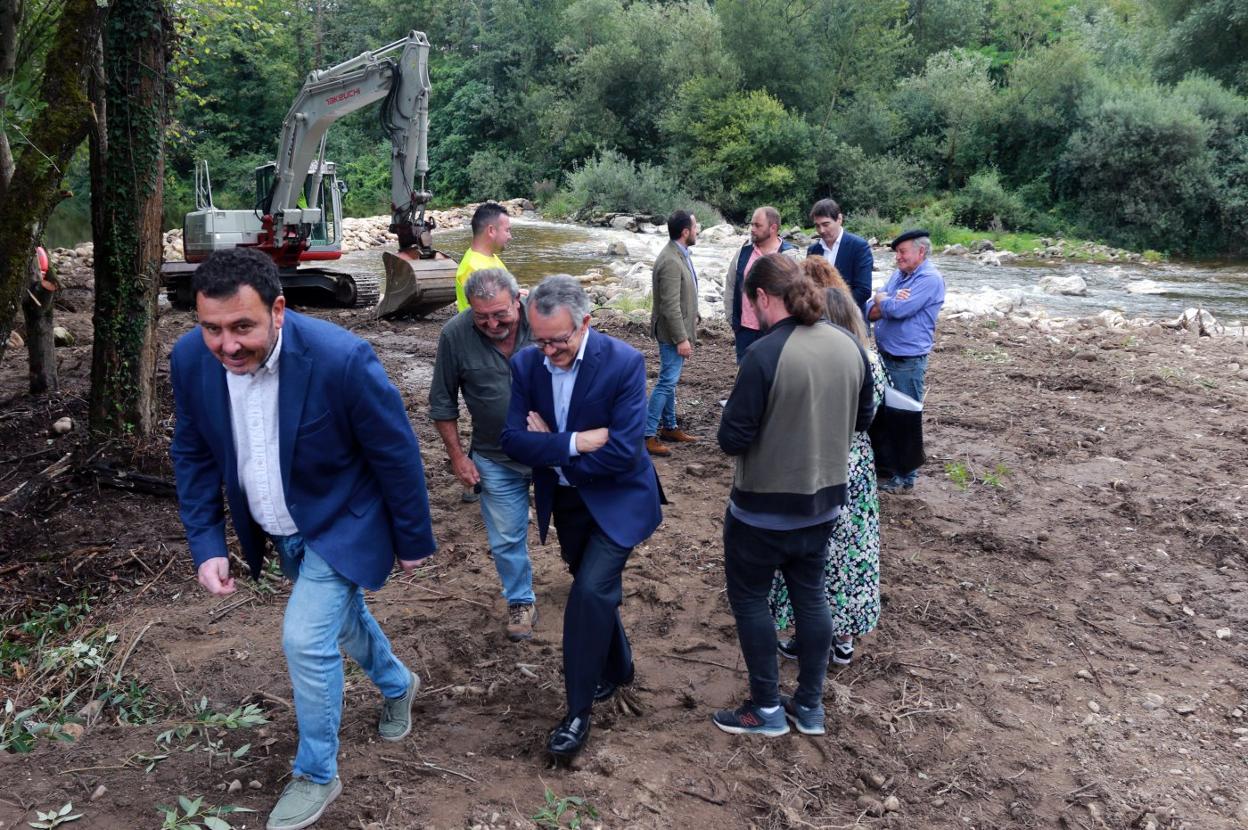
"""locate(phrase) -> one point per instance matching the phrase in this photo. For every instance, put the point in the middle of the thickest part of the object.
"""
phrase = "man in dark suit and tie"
(577, 417)
(334, 481)
(673, 322)
(849, 254)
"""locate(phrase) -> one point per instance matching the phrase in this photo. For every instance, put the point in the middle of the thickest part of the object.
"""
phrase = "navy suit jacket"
(617, 482)
(351, 468)
(855, 262)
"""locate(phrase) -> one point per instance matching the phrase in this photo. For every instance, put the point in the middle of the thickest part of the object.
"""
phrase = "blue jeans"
(907, 375)
(505, 509)
(325, 613)
(743, 338)
(752, 555)
(662, 409)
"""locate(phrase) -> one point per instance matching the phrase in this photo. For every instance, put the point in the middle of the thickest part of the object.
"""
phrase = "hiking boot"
(302, 803)
(678, 436)
(787, 648)
(396, 713)
(521, 617)
(807, 719)
(656, 447)
(842, 653)
(748, 719)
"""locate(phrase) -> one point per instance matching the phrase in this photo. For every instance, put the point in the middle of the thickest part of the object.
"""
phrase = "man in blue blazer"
(577, 416)
(296, 420)
(849, 254)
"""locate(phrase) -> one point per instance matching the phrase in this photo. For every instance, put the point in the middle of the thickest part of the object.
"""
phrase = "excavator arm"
(397, 75)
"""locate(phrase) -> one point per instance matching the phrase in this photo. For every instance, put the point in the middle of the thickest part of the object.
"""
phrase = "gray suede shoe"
(396, 714)
(302, 803)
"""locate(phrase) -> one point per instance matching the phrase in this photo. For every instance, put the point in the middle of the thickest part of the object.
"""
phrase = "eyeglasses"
(554, 341)
(497, 316)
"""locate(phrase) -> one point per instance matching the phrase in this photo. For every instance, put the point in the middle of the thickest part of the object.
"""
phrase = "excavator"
(291, 220)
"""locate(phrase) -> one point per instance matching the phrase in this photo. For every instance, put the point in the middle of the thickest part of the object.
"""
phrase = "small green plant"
(570, 809)
(628, 303)
(204, 721)
(193, 815)
(55, 818)
(959, 474)
(996, 478)
(134, 703)
(994, 354)
(20, 641)
(20, 731)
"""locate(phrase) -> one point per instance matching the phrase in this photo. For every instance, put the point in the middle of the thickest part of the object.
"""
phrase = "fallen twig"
(685, 659)
(427, 766)
(219, 614)
(445, 595)
(126, 657)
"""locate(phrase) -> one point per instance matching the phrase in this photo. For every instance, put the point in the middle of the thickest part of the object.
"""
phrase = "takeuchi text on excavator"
(297, 216)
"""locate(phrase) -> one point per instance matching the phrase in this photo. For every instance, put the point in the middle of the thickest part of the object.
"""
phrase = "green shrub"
(495, 174)
(984, 204)
(610, 183)
(936, 219)
(871, 224)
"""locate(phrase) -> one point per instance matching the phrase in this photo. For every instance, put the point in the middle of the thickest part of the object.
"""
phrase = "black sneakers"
(842, 653)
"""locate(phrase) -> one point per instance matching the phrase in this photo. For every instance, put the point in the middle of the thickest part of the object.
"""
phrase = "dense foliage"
(1117, 119)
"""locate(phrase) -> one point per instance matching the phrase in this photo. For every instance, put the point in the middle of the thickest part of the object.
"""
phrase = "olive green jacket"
(674, 298)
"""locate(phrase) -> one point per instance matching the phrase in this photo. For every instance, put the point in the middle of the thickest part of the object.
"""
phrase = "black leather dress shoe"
(568, 738)
(606, 689)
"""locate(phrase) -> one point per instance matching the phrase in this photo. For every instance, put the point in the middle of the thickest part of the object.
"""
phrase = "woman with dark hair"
(852, 583)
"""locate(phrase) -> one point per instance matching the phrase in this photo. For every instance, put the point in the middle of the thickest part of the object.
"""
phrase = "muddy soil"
(1062, 641)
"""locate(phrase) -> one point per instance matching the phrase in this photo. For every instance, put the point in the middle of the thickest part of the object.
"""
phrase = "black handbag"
(897, 433)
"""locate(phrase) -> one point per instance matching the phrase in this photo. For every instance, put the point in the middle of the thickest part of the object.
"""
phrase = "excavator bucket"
(415, 286)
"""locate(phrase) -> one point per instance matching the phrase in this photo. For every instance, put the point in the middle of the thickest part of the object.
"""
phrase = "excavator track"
(367, 290)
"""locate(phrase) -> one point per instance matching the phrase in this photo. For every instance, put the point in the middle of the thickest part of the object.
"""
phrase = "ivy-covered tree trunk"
(128, 199)
(38, 169)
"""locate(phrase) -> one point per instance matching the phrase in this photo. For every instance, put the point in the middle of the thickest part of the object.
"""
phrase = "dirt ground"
(1062, 641)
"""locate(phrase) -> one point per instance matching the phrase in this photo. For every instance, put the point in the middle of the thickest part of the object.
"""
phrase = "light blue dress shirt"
(562, 382)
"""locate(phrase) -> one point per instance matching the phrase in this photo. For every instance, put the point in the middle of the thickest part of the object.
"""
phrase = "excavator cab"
(325, 238)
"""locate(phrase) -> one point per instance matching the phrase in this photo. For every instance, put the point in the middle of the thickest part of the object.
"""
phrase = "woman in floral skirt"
(852, 581)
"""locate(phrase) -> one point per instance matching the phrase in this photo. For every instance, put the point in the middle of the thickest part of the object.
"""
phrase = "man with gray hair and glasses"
(474, 353)
(577, 416)
(904, 313)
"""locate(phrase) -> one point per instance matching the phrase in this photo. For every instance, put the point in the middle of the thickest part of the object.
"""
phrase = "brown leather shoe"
(656, 447)
(678, 436)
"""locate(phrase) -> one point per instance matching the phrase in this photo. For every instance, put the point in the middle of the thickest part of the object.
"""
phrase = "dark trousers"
(751, 558)
(744, 337)
(594, 644)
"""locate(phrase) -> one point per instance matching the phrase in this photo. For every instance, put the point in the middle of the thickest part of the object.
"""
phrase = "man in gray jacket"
(802, 391)
(673, 322)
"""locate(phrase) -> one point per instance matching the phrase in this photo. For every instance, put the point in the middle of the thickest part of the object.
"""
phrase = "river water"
(539, 248)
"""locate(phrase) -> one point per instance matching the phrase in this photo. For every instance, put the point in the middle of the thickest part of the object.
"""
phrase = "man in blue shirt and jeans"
(904, 313)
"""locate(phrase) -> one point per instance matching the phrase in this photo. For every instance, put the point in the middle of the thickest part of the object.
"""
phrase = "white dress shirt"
(830, 253)
(253, 417)
(562, 382)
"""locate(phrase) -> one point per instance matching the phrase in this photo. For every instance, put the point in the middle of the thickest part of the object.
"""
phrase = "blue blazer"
(351, 468)
(855, 262)
(617, 481)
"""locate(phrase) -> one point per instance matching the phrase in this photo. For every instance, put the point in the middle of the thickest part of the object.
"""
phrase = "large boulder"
(718, 233)
(1145, 287)
(990, 302)
(1071, 286)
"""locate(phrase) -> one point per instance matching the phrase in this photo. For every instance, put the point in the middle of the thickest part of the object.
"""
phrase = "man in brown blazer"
(673, 322)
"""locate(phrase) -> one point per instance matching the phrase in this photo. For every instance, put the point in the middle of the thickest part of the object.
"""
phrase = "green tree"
(747, 150)
(1205, 35)
(1139, 169)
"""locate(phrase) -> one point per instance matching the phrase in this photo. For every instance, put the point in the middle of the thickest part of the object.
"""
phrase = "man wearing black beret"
(904, 313)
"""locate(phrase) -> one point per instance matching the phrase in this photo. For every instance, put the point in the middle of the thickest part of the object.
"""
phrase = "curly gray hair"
(487, 282)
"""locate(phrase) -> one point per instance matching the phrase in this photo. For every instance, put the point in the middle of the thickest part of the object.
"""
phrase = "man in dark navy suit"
(296, 420)
(849, 254)
(577, 416)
